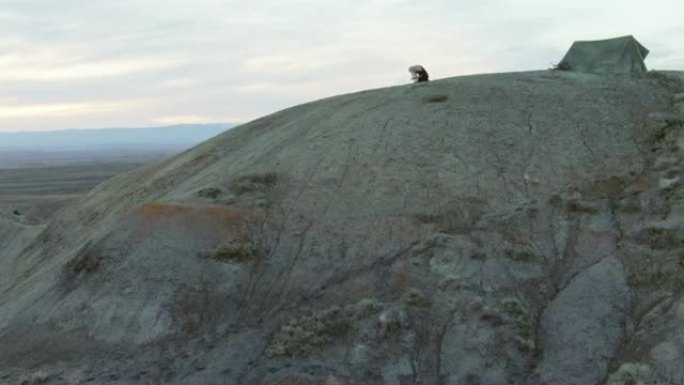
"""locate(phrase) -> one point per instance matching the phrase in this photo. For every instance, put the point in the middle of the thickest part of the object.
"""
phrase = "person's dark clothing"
(422, 75)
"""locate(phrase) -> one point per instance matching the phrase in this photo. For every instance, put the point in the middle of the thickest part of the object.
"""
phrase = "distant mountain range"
(117, 145)
(168, 137)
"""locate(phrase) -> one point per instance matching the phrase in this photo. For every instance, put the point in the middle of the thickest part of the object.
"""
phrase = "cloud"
(281, 64)
(48, 110)
(217, 59)
(180, 83)
(269, 88)
(69, 63)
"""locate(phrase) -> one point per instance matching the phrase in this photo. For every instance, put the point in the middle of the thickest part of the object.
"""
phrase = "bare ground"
(36, 192)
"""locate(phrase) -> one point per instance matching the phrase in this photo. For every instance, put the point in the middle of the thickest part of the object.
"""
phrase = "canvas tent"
(619, 55)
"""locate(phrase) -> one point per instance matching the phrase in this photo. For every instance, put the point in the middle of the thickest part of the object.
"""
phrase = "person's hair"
(416, 68)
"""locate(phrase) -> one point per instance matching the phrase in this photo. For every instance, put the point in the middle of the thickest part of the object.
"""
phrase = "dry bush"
(85, 261)
(435, 99)
(232, 252)
(304, 335)
(35, 378)
(415, 298)
(660, 238)
(252, 183)
(210, 192)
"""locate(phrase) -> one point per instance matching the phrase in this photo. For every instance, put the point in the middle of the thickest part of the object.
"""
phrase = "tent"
(619, 55)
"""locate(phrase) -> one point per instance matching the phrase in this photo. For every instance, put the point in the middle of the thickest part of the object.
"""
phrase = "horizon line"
(117, 128)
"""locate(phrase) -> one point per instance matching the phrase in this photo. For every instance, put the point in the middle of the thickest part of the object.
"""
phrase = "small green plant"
(429, 218)
(654, 275)
(35, 378)
(674, 123)
(520, 254)
(210, 192)
(415, 298)
(631, 374)
(660, 238)
(435, 99)
(304, 335)
(513, 307)
(661, 132)
(251, 183)
(523, 324)
(525, 345)
(582, 206)
(492, 318)
(85, 261)
(231, 252)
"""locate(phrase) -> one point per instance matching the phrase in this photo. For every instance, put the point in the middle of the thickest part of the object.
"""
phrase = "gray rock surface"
(519, 228)
(582, 328)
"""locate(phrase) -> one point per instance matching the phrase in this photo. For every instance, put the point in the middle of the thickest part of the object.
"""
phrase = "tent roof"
(618, 55)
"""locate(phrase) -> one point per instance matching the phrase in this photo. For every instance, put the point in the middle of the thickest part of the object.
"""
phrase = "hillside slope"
(519, 228)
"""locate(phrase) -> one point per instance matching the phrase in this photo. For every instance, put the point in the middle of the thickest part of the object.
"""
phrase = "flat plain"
(40, 172)
(37, 192)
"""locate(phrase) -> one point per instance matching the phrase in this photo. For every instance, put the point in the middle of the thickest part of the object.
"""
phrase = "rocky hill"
(522, 228)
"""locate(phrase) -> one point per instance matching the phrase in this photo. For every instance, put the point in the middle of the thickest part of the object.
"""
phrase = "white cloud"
(213, 59)
(48, 110)
(281, 64)
(268, 88)
(180, 83)
(58, 66)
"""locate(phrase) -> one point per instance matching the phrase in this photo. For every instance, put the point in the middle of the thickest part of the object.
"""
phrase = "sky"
(70, 64)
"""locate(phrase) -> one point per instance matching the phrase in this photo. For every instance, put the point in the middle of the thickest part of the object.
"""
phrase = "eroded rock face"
(514, 228)
(589, 315)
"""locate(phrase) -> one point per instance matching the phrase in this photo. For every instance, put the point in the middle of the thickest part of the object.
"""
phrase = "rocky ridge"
(517, 228)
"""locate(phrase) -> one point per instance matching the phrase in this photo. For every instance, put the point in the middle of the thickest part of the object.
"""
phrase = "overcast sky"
(121, 63)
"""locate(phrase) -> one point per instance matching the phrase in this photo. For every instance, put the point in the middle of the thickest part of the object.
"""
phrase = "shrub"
(435, 99)
(631, 374)
(415, 298)
(306, 334)
(85, 261)
(513, 307)
(232, 252)
(256, 182)
(523, 324)
(654, 275)
(582, 206)
(210, 192)
(36, 378)
(520, 254)
(659, 238)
